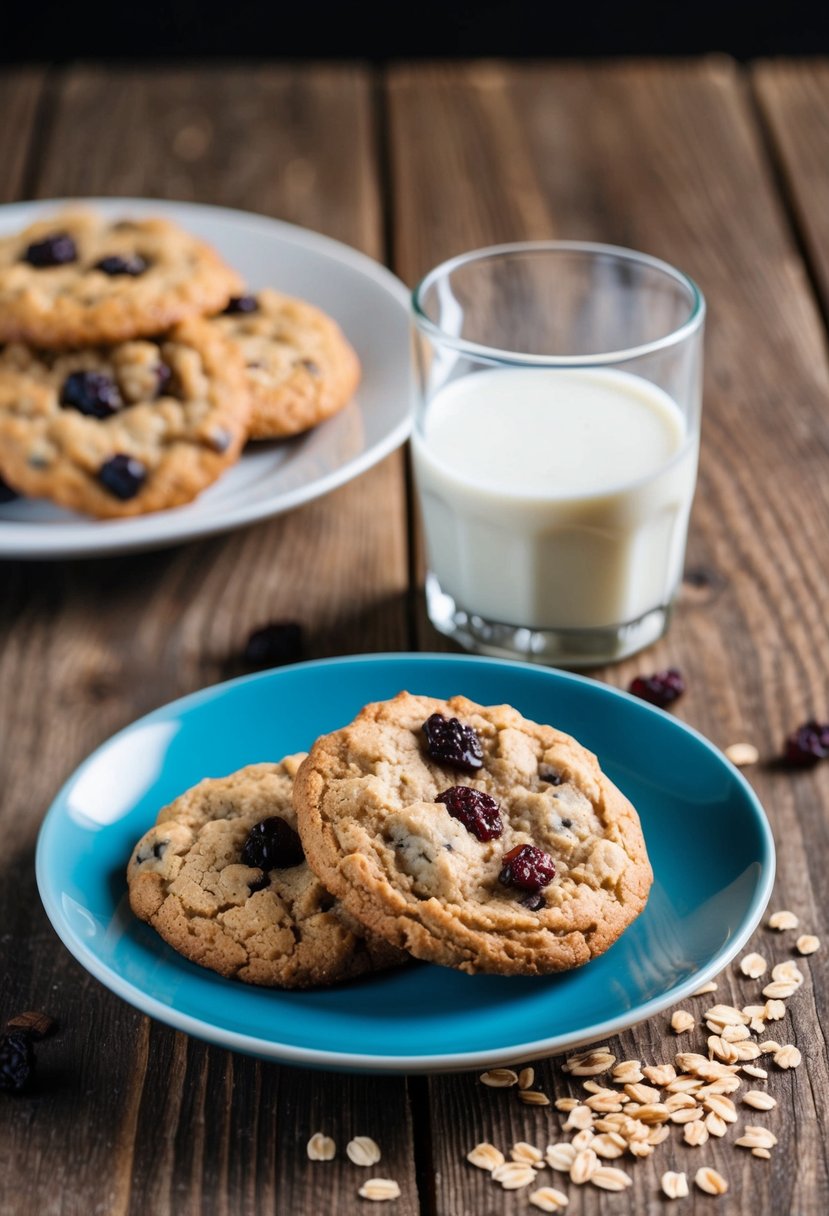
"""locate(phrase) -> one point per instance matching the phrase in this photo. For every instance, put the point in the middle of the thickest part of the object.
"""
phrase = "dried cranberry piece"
(92, 393)
(527, 867)
(450, 742)
(241, 304)
(808, 744)
(116, 264)
(17, 1060)
(662, 688)
(478, 812)
(272, 844)
(7, 494)
(122, 475)
(54, 250)
(274, 645)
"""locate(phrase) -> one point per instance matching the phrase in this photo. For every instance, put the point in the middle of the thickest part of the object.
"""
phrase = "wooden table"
(721, 170)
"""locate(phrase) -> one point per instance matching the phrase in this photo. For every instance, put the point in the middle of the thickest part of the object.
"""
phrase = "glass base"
(553, 647)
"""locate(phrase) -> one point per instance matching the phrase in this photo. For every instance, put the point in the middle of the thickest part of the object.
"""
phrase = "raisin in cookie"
(223, 879)
(78, 278)
(300, 367)
(471, 836)
(114, 431)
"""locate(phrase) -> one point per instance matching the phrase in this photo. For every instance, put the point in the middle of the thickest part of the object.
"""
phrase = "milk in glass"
(555, 499)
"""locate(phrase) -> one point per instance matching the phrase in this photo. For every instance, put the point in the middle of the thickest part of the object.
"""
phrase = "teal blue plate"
(707, 836)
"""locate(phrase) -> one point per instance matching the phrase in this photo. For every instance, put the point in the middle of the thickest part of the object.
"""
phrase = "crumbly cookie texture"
(171, 415)
(278, 929)
(77, 278)
(409, 871)
(300, 367)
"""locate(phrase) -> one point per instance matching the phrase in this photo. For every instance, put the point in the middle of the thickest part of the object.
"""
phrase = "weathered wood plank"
(21, 99)
(793, 99)
(130, 1117)
(668, 159)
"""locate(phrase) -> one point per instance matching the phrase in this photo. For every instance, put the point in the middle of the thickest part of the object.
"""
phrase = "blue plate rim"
(442, 1062)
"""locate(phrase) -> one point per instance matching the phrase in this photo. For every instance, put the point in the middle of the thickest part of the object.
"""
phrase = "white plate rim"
(24, 541)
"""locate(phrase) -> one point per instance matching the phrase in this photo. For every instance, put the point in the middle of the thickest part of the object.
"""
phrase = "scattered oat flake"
(682, 1021)
(715, 1124)
(675, 1186)
(756, 1137)
(782, 920)
(591, 1064)
(321, 1148)
(579, 1118)
(526, 1077)
(485, 1156)
(499, 1078)
(514, 1175)
(526, 1153)
(726, 1015)
(742, 755)
(773, 1011)
(609, 1145)
(761, 1152)
(788, 971)
(807, 943)
(560, 1156)
(628, 1072)
(754, 1070)
(704, 989)
(548, 1199)
(379, 1189)
(533, 1097)
(584, 1164)
(787, 1057)
(759, 1099)
(566, 1104)
(659, 1074)
(753, 965)
(642, 1093)
(608, 1178)
(583, 1139)
(695, 1134)
(362, 1150)
(780, 989)
(769, 1047)
(710, 1181)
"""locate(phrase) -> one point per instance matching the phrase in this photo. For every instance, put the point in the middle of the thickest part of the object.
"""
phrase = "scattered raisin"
(17, 1060)
(808, 744)
(527, 867)
(478, 812)
(662, 688)
(274, 645)
(272, 845)
(450, 742)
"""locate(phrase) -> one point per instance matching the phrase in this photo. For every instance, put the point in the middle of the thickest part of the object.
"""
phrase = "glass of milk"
(555, 446)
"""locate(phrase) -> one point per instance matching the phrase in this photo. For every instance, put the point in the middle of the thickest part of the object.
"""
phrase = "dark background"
(159, 29)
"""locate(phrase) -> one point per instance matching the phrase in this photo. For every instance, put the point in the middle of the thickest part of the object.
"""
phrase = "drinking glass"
(555, 442)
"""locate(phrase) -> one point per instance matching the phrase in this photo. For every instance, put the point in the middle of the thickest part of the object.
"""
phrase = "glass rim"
(680, 333)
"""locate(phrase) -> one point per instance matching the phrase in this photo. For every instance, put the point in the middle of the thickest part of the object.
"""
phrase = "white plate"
(369, 303)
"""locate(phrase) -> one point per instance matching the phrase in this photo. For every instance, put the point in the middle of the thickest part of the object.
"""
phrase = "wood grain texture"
(793, 101)
(22, 94)
(130, 1117)
(669, 159)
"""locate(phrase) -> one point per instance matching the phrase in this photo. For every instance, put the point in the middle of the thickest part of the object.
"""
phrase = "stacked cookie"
(446, 831)
(133, 368)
